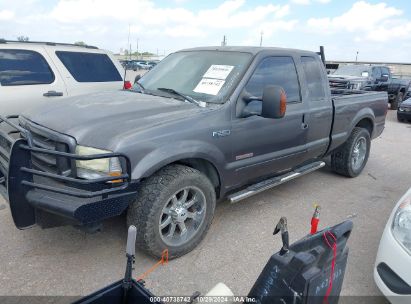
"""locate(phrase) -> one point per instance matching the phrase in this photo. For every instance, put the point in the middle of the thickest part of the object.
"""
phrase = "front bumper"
(404, 114)
(53, 198)
(392, 271)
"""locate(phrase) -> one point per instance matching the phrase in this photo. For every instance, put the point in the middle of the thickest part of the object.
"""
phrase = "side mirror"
(384, 77)
(138, 77)
(274, 102)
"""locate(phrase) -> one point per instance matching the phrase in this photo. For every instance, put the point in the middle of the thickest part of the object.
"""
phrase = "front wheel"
(351, 158)
(173, 211)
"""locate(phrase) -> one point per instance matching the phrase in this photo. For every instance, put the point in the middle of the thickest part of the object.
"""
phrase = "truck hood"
(89, 118)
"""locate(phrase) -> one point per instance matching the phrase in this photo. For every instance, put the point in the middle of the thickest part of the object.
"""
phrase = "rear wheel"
(398, 100)
(351, 158)
(173, 211)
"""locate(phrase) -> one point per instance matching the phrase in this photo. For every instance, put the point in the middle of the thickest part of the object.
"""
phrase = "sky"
(377, 30)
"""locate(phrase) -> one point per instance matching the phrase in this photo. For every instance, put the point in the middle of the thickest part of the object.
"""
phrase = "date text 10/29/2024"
(203, 299)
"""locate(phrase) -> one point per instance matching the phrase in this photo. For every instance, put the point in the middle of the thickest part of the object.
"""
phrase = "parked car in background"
(204, 125)
(31, 72)
(124, 63)
(142, 65)
(404, 111)
(392, 271)
(370, 78)
(152, 64)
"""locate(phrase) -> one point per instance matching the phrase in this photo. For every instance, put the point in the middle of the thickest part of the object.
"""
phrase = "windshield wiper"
(142, 89)
(186, 97)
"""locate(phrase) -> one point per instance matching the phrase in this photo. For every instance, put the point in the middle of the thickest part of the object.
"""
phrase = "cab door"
(27, 77)
(319, 112)
(263, 146)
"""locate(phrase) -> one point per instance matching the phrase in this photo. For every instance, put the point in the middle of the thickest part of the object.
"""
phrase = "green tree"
(82, 43)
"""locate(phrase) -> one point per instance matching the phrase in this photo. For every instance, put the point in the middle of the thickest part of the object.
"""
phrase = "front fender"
(173, 152)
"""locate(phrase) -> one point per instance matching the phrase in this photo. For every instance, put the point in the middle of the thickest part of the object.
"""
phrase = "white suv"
(34, 71)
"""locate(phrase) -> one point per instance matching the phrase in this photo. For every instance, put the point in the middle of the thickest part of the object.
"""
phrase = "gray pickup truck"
(204, 125)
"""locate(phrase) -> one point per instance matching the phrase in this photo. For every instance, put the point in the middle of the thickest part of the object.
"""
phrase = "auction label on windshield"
(209, 86)
(218, 71)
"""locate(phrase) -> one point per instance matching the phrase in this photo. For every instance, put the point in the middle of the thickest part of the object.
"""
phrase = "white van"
(31, 72)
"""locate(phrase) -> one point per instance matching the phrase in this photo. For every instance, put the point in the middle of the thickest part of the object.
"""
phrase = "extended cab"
(371, 78)
(205, 124)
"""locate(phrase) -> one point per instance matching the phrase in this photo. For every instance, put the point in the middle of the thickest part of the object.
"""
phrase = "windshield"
(203, 75)
(353, 70)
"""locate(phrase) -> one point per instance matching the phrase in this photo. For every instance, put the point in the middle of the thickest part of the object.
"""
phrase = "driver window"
(385, 71)
(279, 71)
(377, 73)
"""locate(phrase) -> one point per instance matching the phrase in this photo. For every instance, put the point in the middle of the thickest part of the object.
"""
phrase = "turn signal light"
(113, 174)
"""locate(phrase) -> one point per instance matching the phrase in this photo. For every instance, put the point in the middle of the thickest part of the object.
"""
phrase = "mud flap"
(22, 212)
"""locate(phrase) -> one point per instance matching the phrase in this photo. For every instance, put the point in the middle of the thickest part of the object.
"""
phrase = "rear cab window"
(314, 78)
(24, 67)
(89, 67)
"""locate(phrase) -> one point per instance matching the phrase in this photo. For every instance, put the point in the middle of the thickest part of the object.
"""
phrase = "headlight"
(96, 168)
(400, 109)
(401, 226)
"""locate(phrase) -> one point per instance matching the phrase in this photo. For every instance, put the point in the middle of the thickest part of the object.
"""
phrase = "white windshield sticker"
(209, 86)
(218, 71)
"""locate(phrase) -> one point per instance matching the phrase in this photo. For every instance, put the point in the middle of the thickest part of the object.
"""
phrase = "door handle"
(52, 94)
(304, 125)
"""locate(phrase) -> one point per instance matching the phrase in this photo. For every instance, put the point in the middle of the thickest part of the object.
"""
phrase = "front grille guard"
(110, 182)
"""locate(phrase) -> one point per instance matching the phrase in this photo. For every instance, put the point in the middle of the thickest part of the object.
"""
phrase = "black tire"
(341, 159)
(154, 194)
(398, 100)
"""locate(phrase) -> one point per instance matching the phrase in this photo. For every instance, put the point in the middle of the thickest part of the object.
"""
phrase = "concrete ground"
(65, 261)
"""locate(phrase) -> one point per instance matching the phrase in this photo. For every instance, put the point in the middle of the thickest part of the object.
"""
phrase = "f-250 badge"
(221, 133)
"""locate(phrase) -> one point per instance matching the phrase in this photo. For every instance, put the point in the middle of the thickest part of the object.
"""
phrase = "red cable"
(334, 249)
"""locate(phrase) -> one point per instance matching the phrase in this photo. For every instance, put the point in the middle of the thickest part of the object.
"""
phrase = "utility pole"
(224, 42)
(356, 57)
(128, 42)
(137, 49)
(261, 38)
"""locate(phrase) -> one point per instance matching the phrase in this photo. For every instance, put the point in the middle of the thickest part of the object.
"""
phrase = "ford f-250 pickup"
(205, 124)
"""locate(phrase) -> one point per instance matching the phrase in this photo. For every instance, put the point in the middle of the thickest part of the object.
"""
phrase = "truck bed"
(349, 104)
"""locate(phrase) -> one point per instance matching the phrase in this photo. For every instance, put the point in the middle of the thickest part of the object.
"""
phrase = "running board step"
(274, 181)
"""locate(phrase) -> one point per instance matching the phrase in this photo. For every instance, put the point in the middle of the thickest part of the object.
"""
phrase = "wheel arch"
(363, 119)
(205, 162)
(366, 123)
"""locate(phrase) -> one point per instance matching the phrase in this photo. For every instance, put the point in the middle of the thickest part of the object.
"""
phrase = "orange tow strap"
(163, 261)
